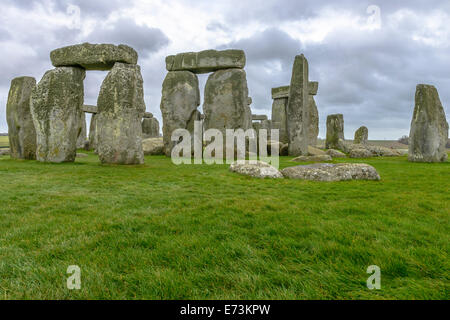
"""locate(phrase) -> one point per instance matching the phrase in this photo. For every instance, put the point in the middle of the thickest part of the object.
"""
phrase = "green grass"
(4, 141)
(161, 231)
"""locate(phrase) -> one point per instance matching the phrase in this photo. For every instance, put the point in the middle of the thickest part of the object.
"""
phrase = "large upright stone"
(335, 131)
(179, 102)
(279, 118)
(429, 127)
(93, 56)
(150, 128)
(226, 101)
(206, 61)
(297, 108)
(56, 105)
(120, 110)
(313, 128)
(21, 132)
(93, 133)
(82, 131)
(361, 135)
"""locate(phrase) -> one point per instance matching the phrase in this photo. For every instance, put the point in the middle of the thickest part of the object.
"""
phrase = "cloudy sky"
(368, 56)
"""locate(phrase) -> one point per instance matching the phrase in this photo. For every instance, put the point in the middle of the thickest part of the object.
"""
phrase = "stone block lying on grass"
(256, 170)
(332, 172)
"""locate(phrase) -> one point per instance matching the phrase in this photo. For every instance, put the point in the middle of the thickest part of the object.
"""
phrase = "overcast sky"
(368, 56)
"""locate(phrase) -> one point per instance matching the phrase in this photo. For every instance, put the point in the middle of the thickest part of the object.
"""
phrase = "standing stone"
(361, 135)
(429, 127)
(120, 110)
(21, 132)
(297, 108)
(150, 128)
(82, 131)
(56, 105)
(179, 102)
(335, 131)
(226, 101)
(279, 118)
(93, 133)
(313, 129)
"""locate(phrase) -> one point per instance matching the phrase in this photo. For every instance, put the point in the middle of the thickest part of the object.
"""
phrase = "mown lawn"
(4, 142)
(161, 231)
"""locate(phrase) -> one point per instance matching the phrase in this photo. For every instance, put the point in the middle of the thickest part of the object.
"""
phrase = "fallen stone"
(56, 105)
(153, 146)
(361, 135)
(360, 153)
(93, 56)
(256, 170)
(312, 151)
(21, 131)
(5, 152)
(81, 155)
(429, 127)
(317, 158)
(297, 108)
(335, 153)
(332, 172)
(206, 61)
(179, 102)
(121, 108)
(335, 131)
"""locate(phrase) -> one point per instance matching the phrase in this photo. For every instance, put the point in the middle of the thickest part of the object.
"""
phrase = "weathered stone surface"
(81, 155)
(90, 109)
(332, 172)
(150, 128)
(257, 170)
(360, 153)
(361, 135)
(153, 146)
(335, 153)
(429, 127)
(279, 118)
(179, 102)
(313, 128)
(93, 56)
(56, 105)
(313, 151)
(335, 131)
(257, 117)
(121, 108)
(313, 87)
(297, 108)
(21, 131)
(315, 158)
(284, 151)
(206, 61)
(93, 133)
(148, 115)
(82, 131)
(225, 105)
(280, 92)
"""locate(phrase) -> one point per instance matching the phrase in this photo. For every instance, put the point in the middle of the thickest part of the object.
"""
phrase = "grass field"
(4, 142)
(161, 231)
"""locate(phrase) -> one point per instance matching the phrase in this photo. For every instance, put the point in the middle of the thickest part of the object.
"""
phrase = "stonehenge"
(429, 127)
(56, 104)
(226, 101)
(335, 131)
(313, 113)
(121, 108)
(150, 128)
(82, 131)
(21, 131)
